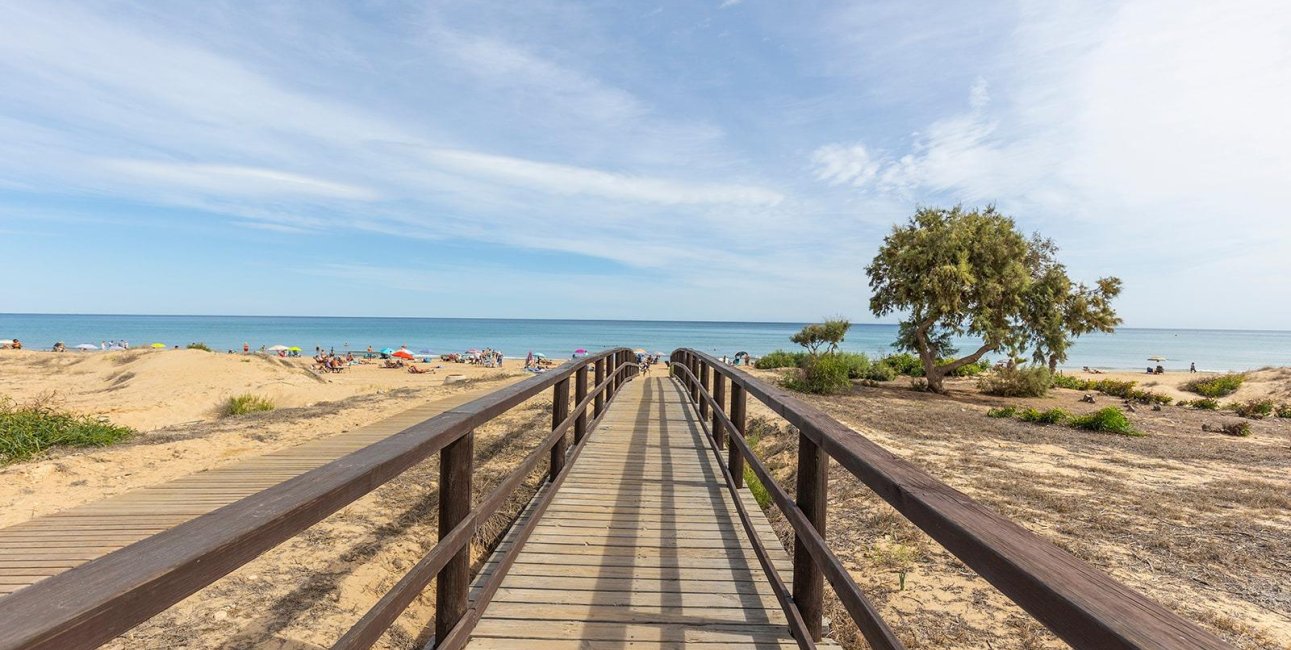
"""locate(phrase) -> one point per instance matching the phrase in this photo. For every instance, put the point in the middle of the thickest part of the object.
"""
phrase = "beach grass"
(246, 403)
(28, 430)
(1218, 386)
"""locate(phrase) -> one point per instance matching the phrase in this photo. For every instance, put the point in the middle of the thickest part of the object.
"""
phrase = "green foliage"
(829, 333)
(779, 359)
(1074, 383)
(1002, 412)
(751, 480)
(1109, 420)
(1114, 387)
(1256, 409)
(958, 272)
(1017, 381)
(904, 364)
(28, 430)
(246, 403)
(1284, 410)
(1205, 403)
(1217, 386)
(1051, 416)
(821, 374)
(968, 369)
(880, 371)
(198, 346)
(1148, 397)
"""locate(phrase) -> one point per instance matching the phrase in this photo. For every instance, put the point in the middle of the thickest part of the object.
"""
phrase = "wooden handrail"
(1079, 603)
(93, 603)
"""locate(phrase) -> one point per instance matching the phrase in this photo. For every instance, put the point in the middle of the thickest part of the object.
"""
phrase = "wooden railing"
(95, 602)
(1082, 605)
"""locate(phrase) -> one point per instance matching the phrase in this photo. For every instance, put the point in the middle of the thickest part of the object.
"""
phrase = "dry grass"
(1198, 521)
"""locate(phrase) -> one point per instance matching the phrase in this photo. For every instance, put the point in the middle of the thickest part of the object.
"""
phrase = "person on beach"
(1192, 367)
(246, 348)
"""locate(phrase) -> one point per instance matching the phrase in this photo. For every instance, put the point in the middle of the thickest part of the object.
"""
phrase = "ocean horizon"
(1127, 348)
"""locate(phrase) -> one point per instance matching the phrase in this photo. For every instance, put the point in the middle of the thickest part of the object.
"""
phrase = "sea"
(1127, 348)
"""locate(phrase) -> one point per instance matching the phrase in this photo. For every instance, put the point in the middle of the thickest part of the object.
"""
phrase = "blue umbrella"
(387, 350)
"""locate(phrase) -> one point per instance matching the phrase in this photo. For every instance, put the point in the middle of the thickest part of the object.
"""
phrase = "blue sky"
(723, 160)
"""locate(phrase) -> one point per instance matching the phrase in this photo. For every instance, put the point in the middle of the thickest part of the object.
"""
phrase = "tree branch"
(972, 358)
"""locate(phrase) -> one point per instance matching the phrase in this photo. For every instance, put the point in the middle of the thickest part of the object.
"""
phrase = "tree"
(972, 273)
(830, 332)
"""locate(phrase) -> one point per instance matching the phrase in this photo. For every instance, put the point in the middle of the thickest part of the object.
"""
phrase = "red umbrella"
(404, 354)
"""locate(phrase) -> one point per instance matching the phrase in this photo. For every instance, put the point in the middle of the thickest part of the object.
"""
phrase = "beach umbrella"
(116, 347)
(404, 354)
(387, 350)
(277, 348)
(294, 348)
(580, 351)
(1157, 359)
(158, 345)
(540, 355)
(639, 351)
(87, 346)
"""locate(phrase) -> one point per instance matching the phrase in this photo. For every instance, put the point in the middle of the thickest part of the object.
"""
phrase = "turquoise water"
(1127, 348)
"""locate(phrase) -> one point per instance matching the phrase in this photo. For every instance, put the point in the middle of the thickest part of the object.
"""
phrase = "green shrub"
(880, 371)
(246, 403)
(858, 365)
(1051, 416)
(26, 431)
(969, 369)
(1284, 411)
(1002, 412)
(1204, 403)
(1114, 387)
(905, 364)
(1218, 386)
(1074, 383)
(1110, 420)
(780, 359)
(822, 375)
(1256, 409)
(198, 346)
(1017, 381)
(1148, 397)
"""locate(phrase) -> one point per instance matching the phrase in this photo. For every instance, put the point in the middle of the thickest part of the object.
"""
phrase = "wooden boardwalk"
(46, 546)
(641, 546)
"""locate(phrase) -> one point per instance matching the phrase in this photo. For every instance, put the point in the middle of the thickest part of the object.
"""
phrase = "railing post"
(719, 398)
(559, 411)
(703, 389)
(599, 404)
(580, 394)
(611, 366)
(813, 488)
(694, 382)
(736, 459)
(452, 587)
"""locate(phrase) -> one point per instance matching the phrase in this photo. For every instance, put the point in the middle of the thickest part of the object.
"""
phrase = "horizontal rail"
(1081, 604)
(93, 603)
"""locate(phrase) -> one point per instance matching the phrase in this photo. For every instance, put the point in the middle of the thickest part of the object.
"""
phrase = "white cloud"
(569, 180)
(236, 180)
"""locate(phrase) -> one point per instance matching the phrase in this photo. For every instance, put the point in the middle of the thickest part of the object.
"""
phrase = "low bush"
(1240, 429)
(1002, 412)
(880, 371)
(905, 364)
(1110, 420)
(1256, 409)
(1074, 383)
(198, 346)
(1217, 386)
(1017, 381)
(28, 430)
(822, 375)
(858, 365)
(1204, 403)
(1284, 411)
(969, 369)
(1114, 387)
(1148, 397)
(1050, 416)
(246, 403)
(779, 359)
